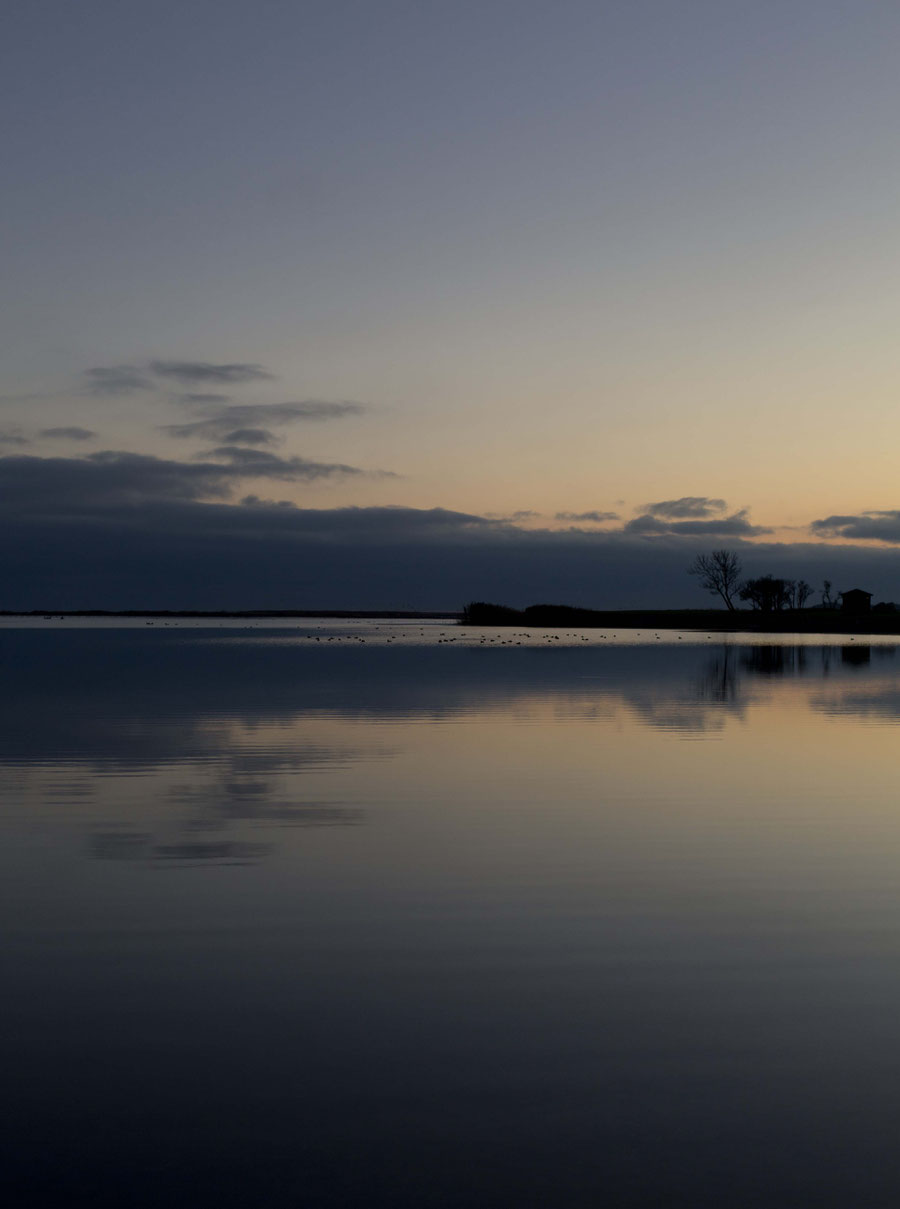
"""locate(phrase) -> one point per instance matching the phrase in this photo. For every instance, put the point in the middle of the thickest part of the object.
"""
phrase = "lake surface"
(366, 914)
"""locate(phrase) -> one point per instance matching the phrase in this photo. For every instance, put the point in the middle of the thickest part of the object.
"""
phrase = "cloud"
(100, 484)
(250, 436)
(125, 531)
(736, 525)
(256, 463)
(594, 517)
(255, 501)
(116, 380)
(113, 479)
(111, 380)
(13, 436)
(881, 526)
(222, 428)
(69, 433)
(201, 397)
(207, 371)
(221, 422)
(187, 553)
(689, 507)
(60, 486)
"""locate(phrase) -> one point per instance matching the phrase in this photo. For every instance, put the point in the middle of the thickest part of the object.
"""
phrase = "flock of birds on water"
(483, 639)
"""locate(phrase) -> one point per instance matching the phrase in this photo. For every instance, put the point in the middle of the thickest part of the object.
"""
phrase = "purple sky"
(551, 269)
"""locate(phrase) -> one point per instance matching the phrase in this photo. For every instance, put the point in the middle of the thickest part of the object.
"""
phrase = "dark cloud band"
(115, 550)
(110, 479)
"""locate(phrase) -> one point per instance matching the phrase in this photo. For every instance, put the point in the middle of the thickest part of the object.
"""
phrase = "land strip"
(785, 621)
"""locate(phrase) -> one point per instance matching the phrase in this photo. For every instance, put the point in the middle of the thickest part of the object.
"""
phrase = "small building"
(856, 601)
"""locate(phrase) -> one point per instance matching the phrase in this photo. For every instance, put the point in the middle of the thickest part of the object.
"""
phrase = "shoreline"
(535, 617)
(788, 621)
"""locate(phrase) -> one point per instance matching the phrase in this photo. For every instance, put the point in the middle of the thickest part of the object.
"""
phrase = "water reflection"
(236, 733)
(717, 681)
(203, 813)
(443, 926)
(724, 671)
(121, 702)
(139, 846)
(125, 698)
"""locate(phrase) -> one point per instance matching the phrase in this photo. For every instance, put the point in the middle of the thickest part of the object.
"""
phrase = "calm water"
(382, 915)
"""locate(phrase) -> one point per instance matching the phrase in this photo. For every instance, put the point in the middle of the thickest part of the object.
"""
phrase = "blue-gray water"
(375, 915)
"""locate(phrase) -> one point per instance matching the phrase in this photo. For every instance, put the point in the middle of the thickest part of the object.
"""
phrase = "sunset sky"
(604, 283)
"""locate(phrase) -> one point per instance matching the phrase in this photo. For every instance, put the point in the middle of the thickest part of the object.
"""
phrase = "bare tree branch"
(719, 573)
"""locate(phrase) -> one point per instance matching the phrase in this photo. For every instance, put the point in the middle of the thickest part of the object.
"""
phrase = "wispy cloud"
(596, 518)
(113, 380)
(68, 433)
(13, 436)
(688, 507)
(736, 525)
(208, 371)
(110, 380)
(201, 397)
(256, 463)
(222, 423)
(248, 436)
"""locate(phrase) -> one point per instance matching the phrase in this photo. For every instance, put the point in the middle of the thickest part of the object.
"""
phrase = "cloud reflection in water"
(235, 738)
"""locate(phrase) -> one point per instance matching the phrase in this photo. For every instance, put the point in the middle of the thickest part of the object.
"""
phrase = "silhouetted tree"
(800, 594)
(719, 573)
(828, 601)
(766, 593)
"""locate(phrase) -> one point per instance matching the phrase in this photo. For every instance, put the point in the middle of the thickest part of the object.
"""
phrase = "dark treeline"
(719, 573)
(794, 621)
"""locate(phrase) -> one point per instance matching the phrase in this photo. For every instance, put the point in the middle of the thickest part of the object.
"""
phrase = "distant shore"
(287, 614)
(786, 621)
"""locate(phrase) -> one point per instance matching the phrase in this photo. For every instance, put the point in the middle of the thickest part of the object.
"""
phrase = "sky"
(402, 304)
